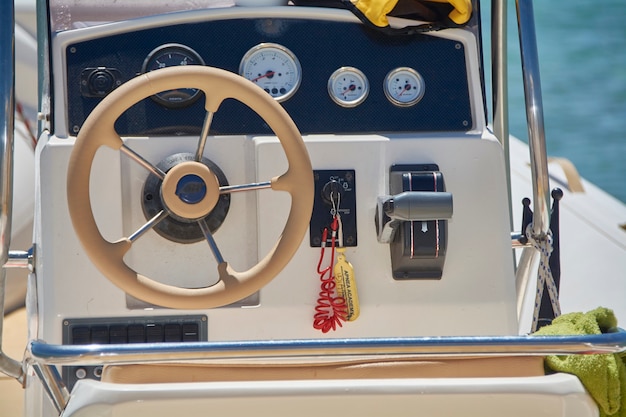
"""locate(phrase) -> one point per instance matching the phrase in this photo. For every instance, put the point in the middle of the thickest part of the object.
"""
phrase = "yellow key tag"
(346, 284)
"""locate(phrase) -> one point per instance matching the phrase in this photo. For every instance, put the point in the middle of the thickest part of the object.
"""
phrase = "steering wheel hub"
(190, 190)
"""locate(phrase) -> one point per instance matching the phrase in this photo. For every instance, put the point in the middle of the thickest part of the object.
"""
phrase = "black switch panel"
(338, 187)
(122, 330)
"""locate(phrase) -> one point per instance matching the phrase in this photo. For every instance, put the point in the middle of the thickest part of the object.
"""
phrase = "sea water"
(582, 59)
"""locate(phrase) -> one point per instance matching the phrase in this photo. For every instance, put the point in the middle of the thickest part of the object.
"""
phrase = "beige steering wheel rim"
(98, 130)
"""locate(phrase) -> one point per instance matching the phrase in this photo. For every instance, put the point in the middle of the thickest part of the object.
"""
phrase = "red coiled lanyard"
(330, 310)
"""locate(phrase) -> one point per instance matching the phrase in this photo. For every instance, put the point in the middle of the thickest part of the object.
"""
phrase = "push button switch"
(81, 335)
(100, 334)
(118, 334)
(173, 332)
(154, 333)
(136, 333)
(191, 332)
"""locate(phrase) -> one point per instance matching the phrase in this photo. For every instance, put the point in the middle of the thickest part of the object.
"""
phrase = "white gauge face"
(348, 87)
(274, 68)
(404, 86)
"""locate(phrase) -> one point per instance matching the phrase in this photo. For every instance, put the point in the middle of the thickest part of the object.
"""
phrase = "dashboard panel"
(321, 47)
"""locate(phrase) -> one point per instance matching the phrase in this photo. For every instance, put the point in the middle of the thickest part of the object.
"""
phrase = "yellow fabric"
(377, 10)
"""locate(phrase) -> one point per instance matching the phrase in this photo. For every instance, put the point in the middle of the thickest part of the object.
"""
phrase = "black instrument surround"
(321, 47)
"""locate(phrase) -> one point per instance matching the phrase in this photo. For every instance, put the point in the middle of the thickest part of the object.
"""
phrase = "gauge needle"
(352, 87)
(268, 74)
(406, 88)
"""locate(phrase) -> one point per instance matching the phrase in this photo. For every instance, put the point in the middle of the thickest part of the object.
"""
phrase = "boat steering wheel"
(217, 85)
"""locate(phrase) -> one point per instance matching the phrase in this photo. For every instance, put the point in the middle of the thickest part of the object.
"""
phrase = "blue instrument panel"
(96, 66)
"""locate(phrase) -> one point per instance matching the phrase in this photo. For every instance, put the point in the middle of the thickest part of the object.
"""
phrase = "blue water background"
(582, 58)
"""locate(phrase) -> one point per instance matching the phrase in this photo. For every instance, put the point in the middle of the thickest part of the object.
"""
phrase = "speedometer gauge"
(171, 55)
(274, 68)
(348, 87)
(404, 86)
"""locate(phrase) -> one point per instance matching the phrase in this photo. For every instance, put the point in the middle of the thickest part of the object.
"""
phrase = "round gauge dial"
(404, 86)
(348, 87)
(171, 55)
(274, 68)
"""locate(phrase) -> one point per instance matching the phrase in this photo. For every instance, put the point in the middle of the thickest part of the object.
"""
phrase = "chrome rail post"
(534, 117)
(20, 259)
(499, 85)
(7, 95)
(9, 366)
(537, 144)
(53, 385)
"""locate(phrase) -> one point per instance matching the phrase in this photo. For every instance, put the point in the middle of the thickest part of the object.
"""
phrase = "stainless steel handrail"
(43, 357)
(9, 366)
(537, 145)
(534, 117)
(7, 95)
(439, 346)
(53, 385)
(499, 85)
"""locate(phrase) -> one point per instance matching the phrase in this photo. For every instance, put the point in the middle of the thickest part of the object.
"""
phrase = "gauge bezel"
(419, 82)
(183, 50)
(341, 72)
(268, 46)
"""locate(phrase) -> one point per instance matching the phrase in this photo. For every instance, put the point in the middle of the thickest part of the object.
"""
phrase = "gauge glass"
(274, 68)
(348, 87)
(404, 86)
(172, 55)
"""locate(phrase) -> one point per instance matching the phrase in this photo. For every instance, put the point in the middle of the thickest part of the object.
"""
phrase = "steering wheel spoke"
(227, 189)
(206, 126)
(211, 241)
(142, 161)
(148, 226)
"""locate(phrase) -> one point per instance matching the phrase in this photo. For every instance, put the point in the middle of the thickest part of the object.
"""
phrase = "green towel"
(604, 376)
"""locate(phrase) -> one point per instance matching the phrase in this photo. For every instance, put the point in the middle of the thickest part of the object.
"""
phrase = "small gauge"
(171, 55)
(348, 87)
(404, 86)
(274, 68)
